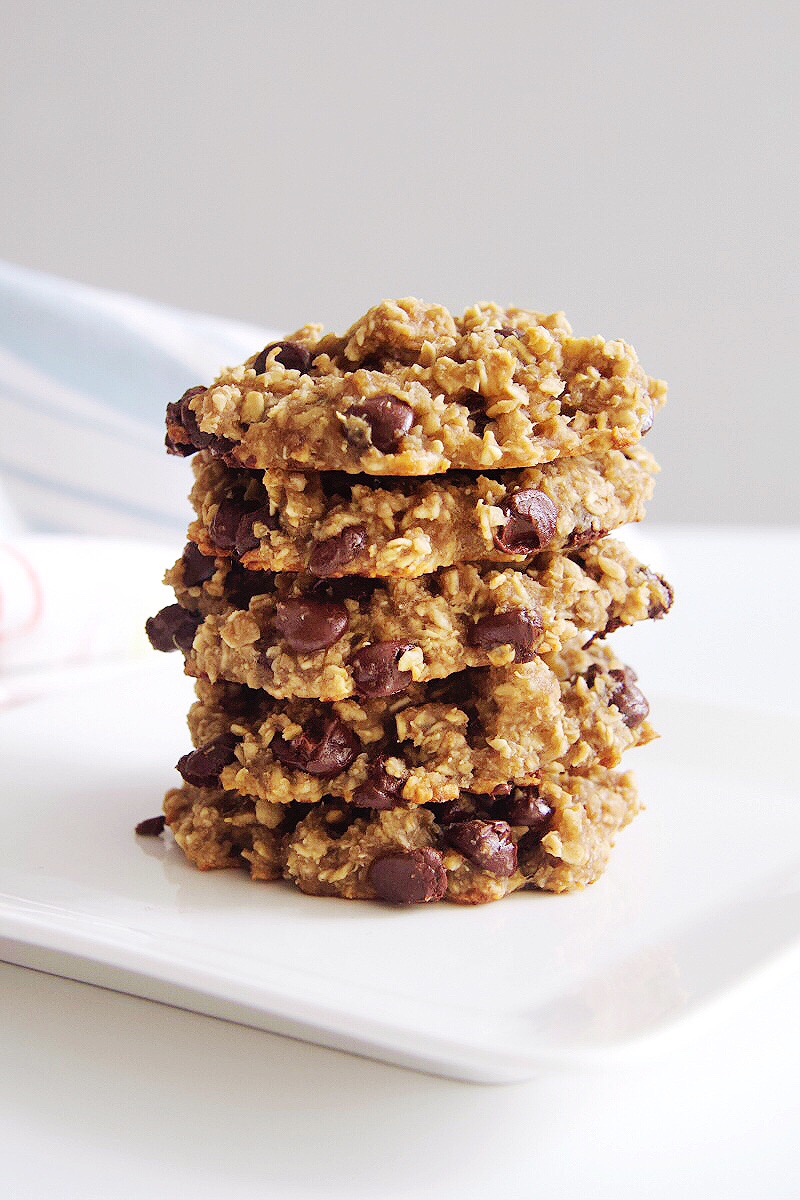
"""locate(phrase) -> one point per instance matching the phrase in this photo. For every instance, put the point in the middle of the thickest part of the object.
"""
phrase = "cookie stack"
(395, 600)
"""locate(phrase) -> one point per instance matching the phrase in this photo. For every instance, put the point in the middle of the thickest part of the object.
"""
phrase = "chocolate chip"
(590, 674)
(380, 790)
(309, 625)
(583, 537)
(476, 406)
(348, 587)
(221, 447)
(409, 876)
(172, 629)
(457, 689)
(375, 670)
(388, 418)
(241, 585)
(245, 538)
(230, 803)
(508, 331)
(184, 436)
(328, 557)
(530, 845)
(520, 628)
(225, 522)
(628, 698)
(202, 767)
(660, 607)
(487, 844)
(197, 567)
(530, 526)
(526, 807)
(292, 356)
(325, 747)
(611, 626)
(463, 808)
(151, 827)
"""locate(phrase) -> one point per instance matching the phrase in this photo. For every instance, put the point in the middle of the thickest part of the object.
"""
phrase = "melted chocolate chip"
(375, 671)
(241, 585)
(529, 848)
(388, 418)
(202, 767)
(520, 628)
(583, 537)
(225, 522)
(530, 525)
(380, 790)
(348, 587)
(328, 557)
(487, 844)
(476, 408)
(197, 567)
(325, 747)
(245, 538)
(526, 807)
(628, 698)
(307, 625)
(409, 877)
(151, 827)
(457, 689)
(292, 356)
(172, 629)
(465, 807)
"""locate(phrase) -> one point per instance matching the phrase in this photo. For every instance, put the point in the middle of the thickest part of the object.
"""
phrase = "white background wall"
(632, 163)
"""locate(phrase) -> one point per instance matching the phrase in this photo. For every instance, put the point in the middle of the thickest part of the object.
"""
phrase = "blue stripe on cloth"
(105, 421)
(84, 494)
(125, 353)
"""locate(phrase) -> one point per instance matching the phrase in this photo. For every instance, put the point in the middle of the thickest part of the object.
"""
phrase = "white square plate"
(702, 888)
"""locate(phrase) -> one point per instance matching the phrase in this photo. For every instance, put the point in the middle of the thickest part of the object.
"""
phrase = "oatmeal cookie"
(555, 834)
(333, 524)
(214, 829)
(472, 731)
(315, 639)
(412, 390)
(601, 699)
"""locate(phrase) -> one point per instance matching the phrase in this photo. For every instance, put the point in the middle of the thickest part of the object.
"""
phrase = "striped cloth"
(85, 376)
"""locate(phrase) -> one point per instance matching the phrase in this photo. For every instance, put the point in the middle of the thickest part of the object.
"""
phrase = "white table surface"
(106, 1095)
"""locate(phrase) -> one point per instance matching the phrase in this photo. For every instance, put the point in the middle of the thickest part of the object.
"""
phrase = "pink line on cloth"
(38, 597)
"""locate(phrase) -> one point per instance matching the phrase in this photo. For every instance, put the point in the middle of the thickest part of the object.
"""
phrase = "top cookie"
(412, 390)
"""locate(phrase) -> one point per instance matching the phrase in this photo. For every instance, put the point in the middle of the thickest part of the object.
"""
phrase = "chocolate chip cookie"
(411, 389)
(300, 637)
(472, 731)
(396, 598)
(332, 524)
(555, 834)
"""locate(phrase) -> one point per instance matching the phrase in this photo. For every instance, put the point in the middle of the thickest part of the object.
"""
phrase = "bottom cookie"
(555, 835)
